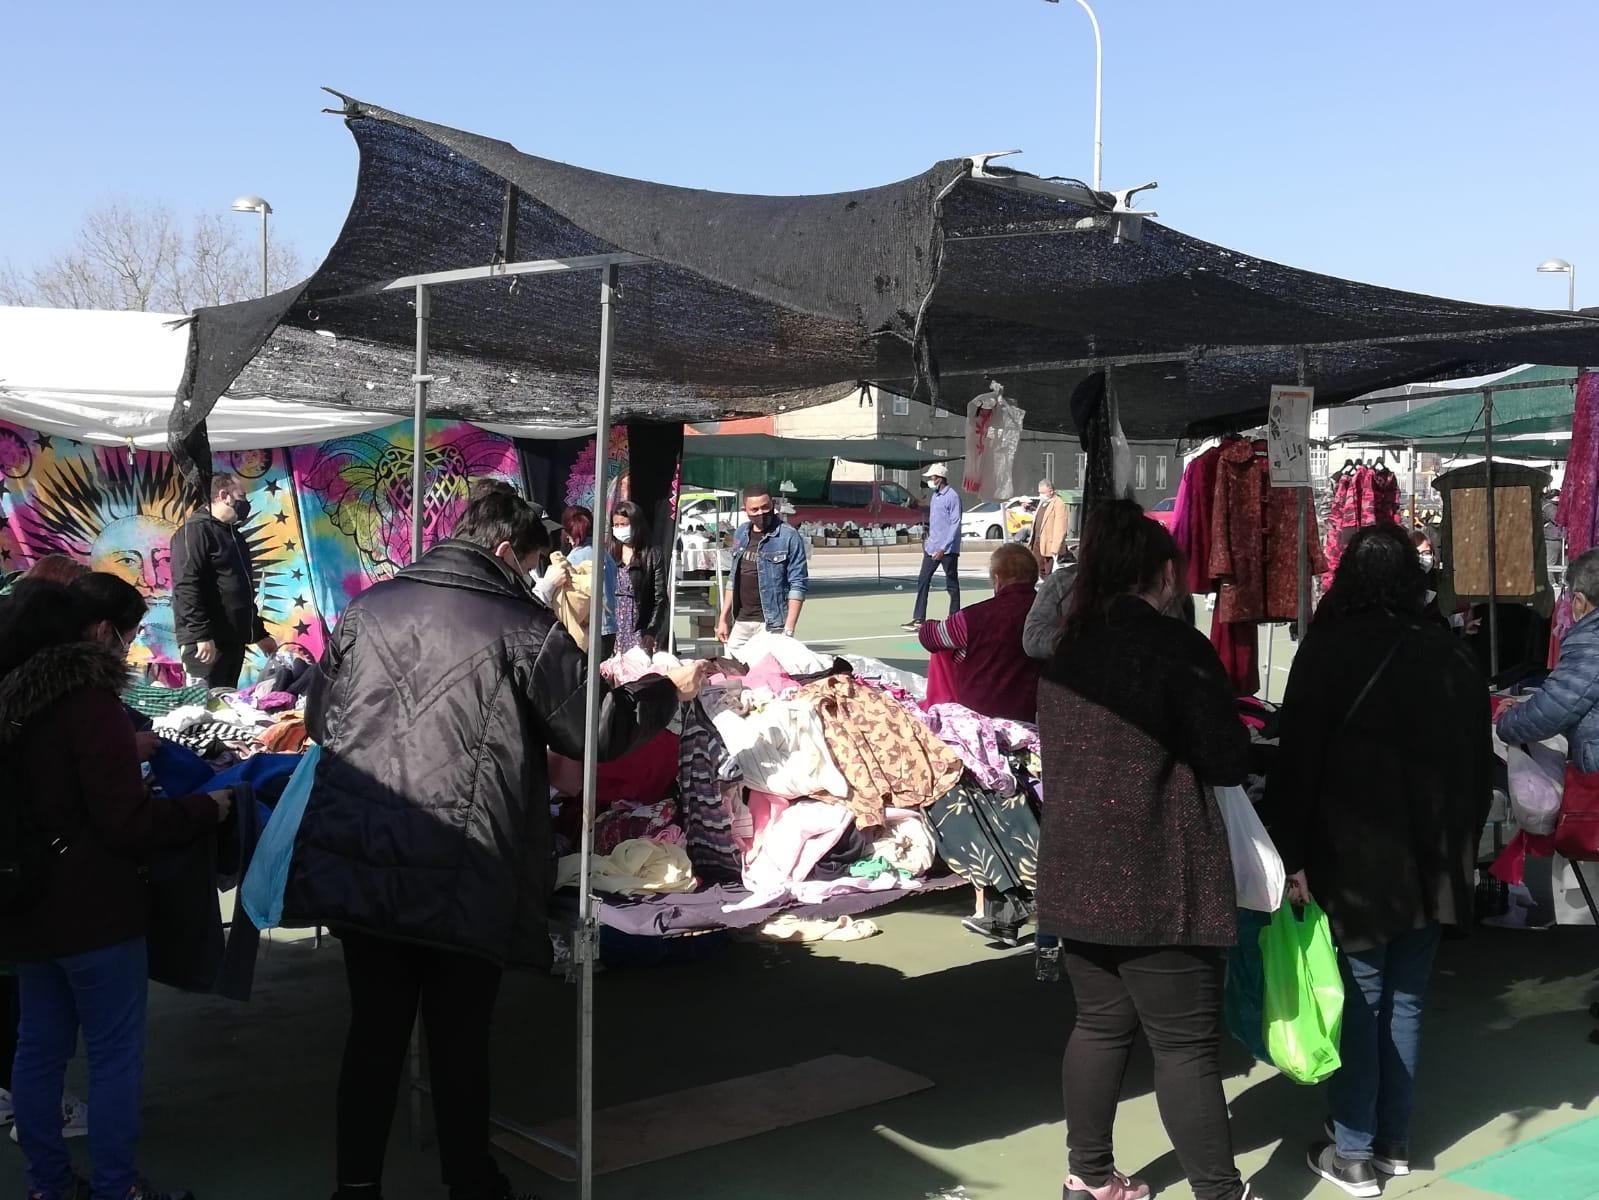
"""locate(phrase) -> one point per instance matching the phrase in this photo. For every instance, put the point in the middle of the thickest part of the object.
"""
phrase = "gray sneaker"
(1356, 1178)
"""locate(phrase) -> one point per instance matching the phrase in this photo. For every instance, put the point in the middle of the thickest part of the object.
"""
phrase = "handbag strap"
(1372, 681)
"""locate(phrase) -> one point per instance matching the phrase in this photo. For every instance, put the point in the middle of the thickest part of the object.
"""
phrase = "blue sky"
(1435, 145)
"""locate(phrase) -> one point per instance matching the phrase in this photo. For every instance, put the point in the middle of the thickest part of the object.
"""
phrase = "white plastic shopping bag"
(1257, 867)
(1537, 785)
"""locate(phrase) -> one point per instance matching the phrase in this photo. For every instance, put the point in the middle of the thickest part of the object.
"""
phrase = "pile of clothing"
(801, 779)
(225, 727)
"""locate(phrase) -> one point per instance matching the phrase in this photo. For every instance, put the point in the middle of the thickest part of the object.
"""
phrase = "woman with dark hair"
(73, 910)
(1137, 723)
(641, 600)
(1384, 838)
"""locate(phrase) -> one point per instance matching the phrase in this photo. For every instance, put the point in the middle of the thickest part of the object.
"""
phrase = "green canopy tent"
(730, 460)
(1531, 400)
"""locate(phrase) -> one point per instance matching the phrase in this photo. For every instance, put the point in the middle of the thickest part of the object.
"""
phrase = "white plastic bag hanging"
(1257, 867)
(1537, 785)
(993, 437)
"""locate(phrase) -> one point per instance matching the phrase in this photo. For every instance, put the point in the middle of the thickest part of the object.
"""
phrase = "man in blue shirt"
(771, 574)
(943, 544)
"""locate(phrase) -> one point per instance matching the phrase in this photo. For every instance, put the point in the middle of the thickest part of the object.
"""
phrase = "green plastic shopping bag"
(1304, 1001)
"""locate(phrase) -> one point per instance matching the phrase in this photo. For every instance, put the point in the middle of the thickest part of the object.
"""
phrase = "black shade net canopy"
(930, 287)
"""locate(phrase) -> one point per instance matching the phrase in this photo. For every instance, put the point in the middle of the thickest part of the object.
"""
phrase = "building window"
(1082, 470)
(1049, 466)
(1160, 473)
(902, 406)
(1141, 473)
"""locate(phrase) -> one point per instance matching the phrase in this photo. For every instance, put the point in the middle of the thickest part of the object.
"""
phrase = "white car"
(996, 522)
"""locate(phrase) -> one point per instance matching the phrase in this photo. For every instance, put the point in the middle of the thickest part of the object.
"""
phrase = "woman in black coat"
(641, 599)
(1383, 837)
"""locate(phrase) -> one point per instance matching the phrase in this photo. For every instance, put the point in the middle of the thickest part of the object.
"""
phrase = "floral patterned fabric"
(887, 756)
(988, 840)
(1254, 547)
(982, 743)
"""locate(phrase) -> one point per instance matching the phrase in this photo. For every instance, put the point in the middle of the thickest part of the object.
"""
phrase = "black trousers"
(389, 981)
(924, 583)
(224, 670)
(1174, 995)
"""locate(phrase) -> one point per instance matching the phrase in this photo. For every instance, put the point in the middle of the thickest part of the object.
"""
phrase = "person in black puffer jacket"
(426, 843)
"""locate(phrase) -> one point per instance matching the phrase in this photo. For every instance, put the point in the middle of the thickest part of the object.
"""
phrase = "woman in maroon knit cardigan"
(1137, 720)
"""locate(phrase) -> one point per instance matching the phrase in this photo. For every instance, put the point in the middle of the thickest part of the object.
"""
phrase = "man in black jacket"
(213, 589)
(427, 844)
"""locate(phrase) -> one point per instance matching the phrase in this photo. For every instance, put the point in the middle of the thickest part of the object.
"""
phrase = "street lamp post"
(248, 204)
(1559, 266)
(1099, 88)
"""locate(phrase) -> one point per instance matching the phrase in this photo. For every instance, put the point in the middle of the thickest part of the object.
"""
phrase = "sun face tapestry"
(116, 510)
(355, 497)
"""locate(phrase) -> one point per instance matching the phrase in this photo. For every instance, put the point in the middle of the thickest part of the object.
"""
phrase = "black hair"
(110, 598)
(1380, 570)
(1122, 552)
(496, 514)
(635, 518)
(758, 487)
(36, 616)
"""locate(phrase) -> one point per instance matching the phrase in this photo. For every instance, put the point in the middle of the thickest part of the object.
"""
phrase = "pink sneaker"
(1118, 1187)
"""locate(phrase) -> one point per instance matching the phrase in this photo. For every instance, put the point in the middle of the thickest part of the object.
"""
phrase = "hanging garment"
(1193, 526)
(1383, 504)
(993, 436)
(1578, 512)
(1522, 561)
(1090, 415)
(888, 757)
(1238, 646)
(707, 822)
(1254, 548)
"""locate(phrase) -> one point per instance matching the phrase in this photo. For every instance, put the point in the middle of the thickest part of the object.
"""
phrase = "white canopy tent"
(110, 377)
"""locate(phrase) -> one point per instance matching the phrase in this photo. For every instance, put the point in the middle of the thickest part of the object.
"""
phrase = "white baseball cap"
(936, 471)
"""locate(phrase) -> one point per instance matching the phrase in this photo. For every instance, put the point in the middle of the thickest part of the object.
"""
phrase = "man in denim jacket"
(1568, 701)
(770, 579)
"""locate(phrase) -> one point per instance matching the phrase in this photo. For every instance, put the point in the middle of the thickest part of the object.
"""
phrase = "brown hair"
(1013, 563)
(55, 568)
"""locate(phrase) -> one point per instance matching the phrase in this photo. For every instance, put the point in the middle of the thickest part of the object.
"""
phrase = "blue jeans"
(924, 583)
(103, 992)
(1370, 1095)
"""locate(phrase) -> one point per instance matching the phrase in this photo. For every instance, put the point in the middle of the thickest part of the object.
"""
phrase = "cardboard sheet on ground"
(646, 1131)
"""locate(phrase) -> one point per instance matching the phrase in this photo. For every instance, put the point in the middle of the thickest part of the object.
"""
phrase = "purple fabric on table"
(699, 912)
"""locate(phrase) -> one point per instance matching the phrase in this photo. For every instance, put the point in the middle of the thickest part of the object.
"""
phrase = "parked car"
(1165, 512)
(995, 522)
(709, 512)
(863, 502)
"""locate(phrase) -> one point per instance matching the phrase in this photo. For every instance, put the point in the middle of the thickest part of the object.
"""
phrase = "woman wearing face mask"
(640, 583)
(73, 915)
(1137, 721)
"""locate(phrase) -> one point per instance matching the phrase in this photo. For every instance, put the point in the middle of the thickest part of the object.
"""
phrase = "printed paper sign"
(1288, 435)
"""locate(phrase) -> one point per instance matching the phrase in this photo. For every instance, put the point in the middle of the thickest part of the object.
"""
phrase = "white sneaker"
(74, 1116)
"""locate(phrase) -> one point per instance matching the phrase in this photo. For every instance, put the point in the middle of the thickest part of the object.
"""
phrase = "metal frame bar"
(1491, 499)
(585, 940)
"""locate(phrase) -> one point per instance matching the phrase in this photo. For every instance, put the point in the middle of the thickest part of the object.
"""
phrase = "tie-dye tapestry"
(355, 497)
(580, 482)
(116, 510)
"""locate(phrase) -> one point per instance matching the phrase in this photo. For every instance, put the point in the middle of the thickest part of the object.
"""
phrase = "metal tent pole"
(1303, 593)
(1493, 531)
(585, 944)
(421, 378)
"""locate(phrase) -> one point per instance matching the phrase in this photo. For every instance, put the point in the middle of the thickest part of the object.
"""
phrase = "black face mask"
(765, 522)
(241, 509)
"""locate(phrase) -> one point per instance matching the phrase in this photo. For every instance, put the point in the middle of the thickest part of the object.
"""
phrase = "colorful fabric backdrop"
(116, 510)
(355, 497)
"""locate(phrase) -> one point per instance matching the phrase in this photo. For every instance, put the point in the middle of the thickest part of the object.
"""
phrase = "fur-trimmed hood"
(55, 673)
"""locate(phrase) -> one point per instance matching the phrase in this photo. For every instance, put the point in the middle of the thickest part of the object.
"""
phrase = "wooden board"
(646, 1131)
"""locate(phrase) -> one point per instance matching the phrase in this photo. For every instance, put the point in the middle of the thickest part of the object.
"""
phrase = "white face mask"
(1426, 562)
(622, 533)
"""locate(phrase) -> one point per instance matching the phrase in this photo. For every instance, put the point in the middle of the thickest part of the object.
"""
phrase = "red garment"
(1238, 647)
(645, 774)
(990, 672)
(1194, 531)
(1384, 504)
(1254, 549)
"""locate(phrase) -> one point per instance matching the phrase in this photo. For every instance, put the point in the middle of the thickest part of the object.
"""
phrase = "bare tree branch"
(130, 257)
